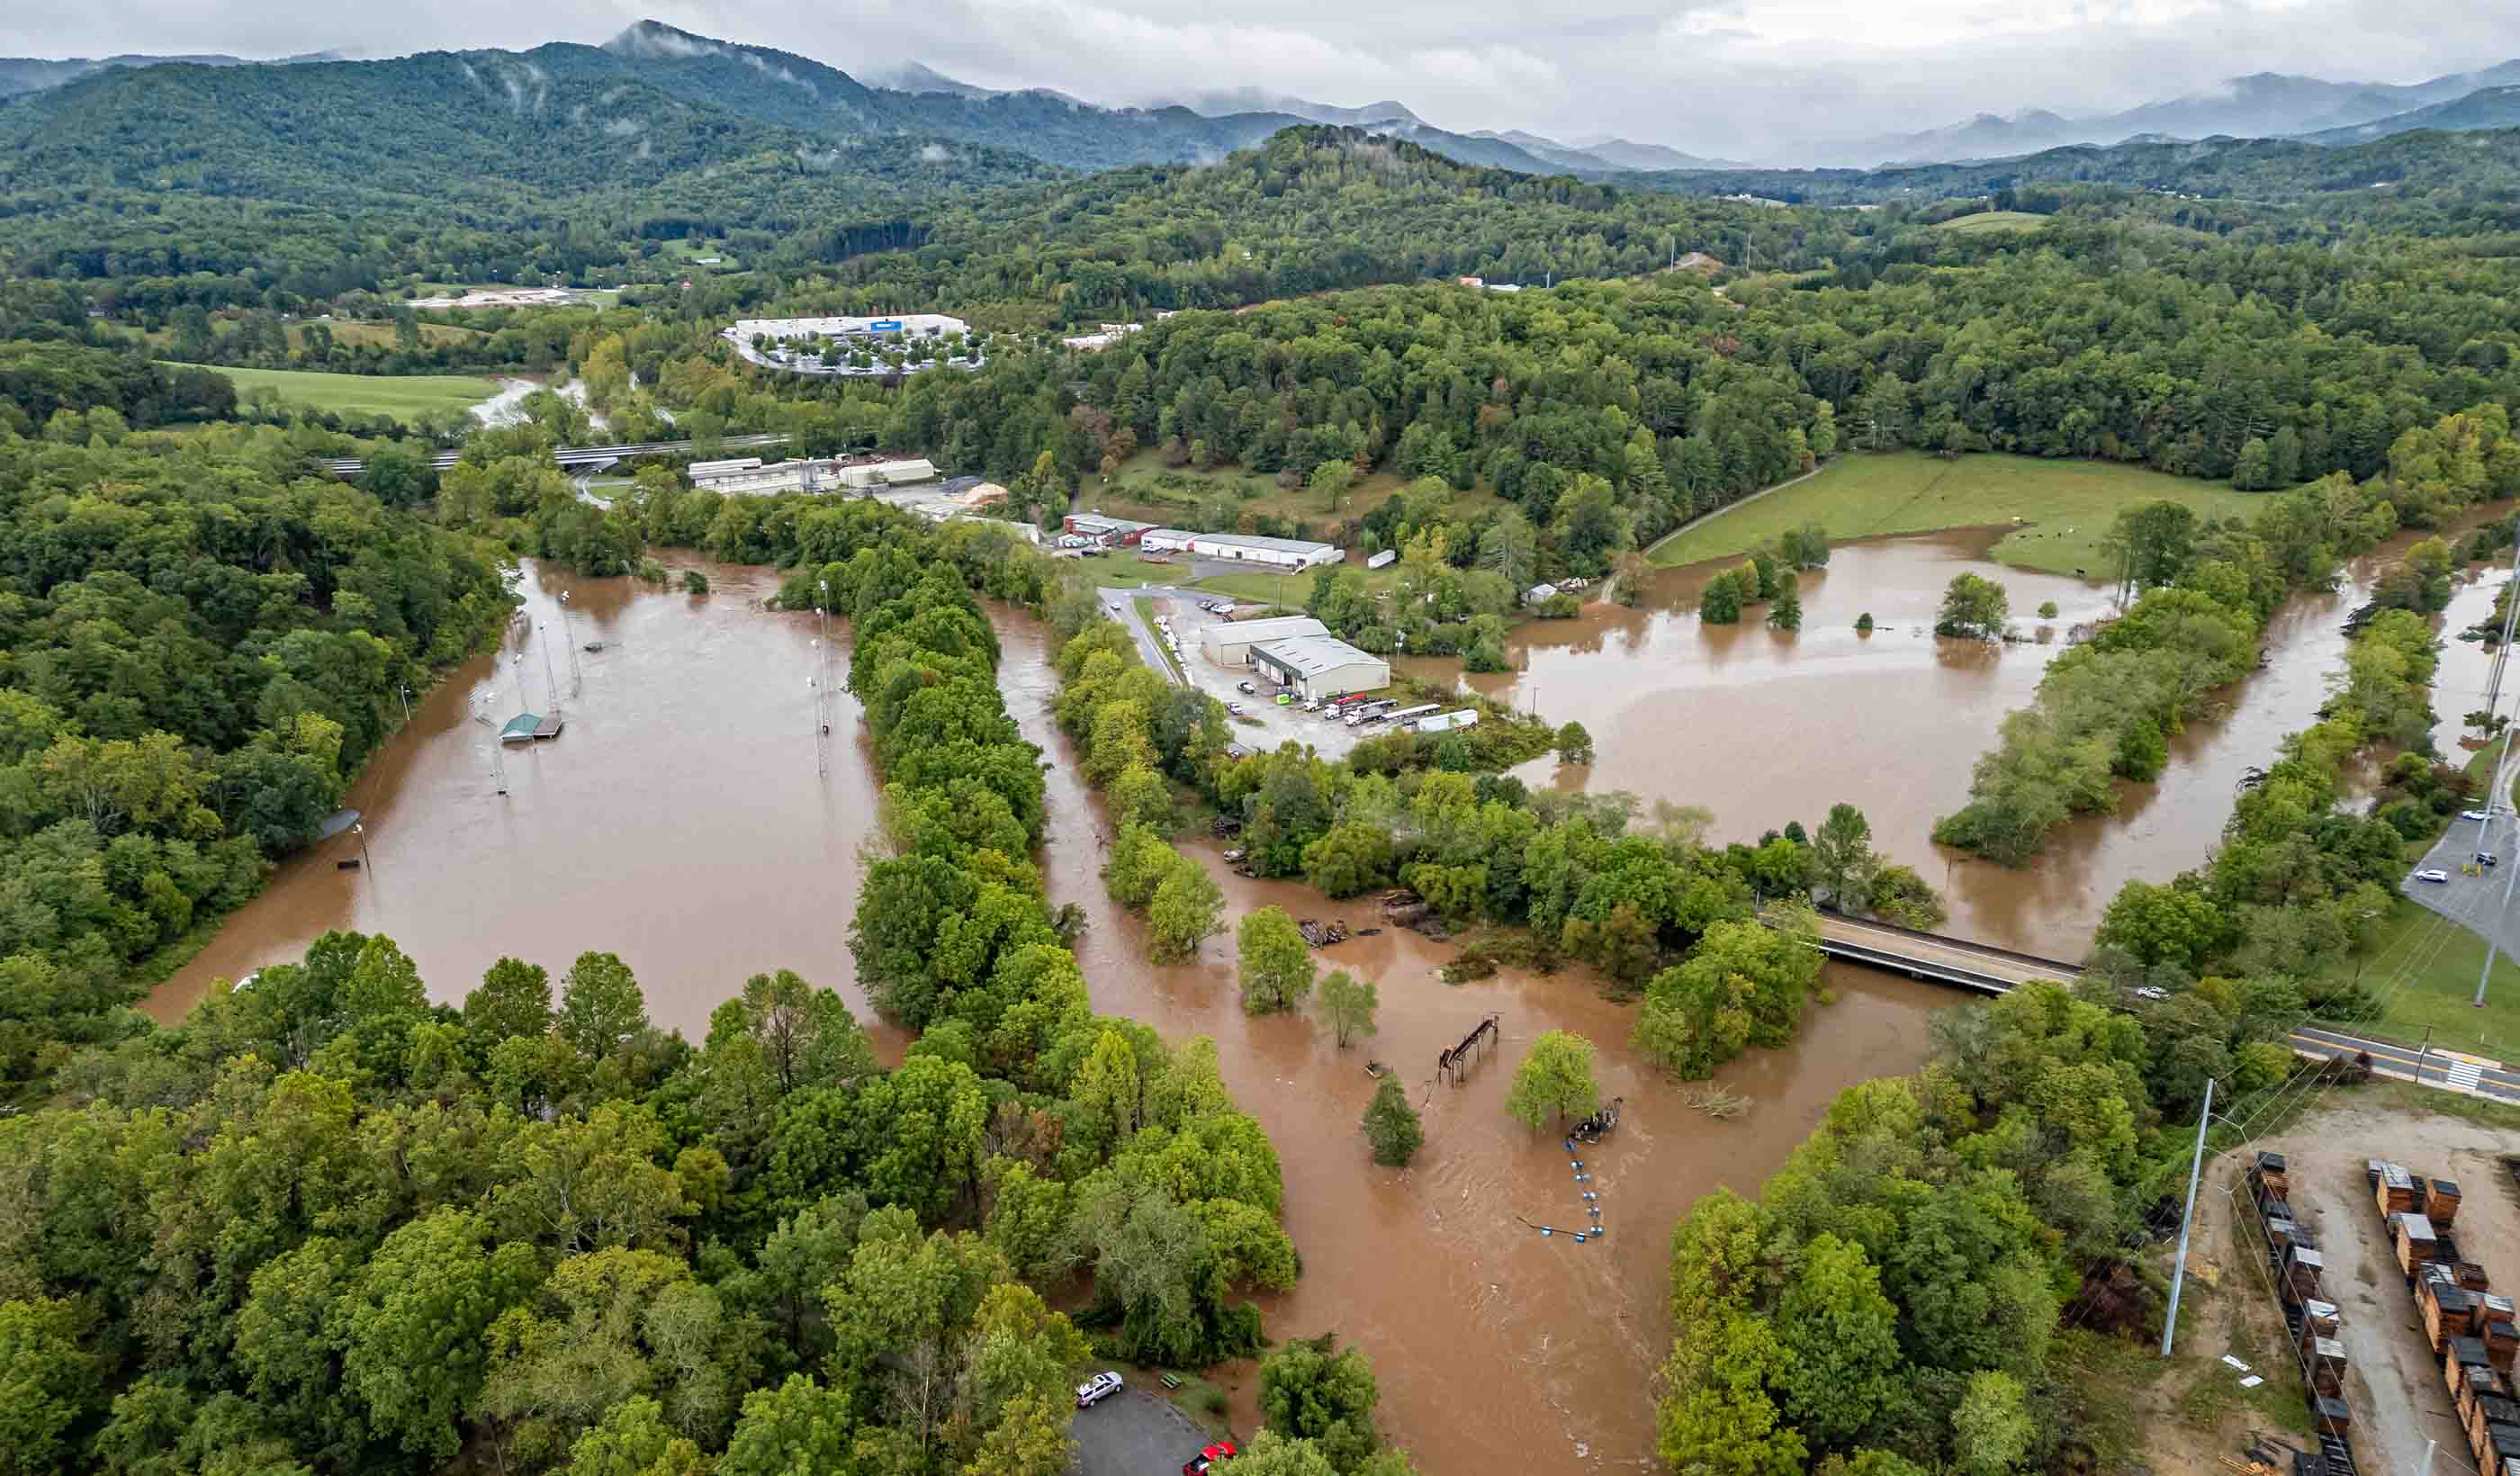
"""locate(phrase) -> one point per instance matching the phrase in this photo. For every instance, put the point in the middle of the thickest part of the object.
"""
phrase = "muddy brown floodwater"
(1496, 1349)
(1761, 727)
(677, 821)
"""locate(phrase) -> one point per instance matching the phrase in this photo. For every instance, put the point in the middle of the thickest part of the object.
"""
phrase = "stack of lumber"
(2441, 1202)
(2329, 1415)
(2395, 1188)
(2457, 1355)
(2319, 1319)
(2501, 1345)
(2325, 1360)
(2476, 1384)
(2268, 1179)
(2447, 1312)
(2415, 1240)
(2493, 1432)
(2302, 1269)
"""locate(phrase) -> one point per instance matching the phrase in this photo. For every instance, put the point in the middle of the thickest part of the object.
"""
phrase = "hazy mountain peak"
(914, 76)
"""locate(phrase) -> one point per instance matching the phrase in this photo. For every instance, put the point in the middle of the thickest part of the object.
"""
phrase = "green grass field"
(400, 398)
(1133, 491)
(1127, 572)
(1995, 220)
(2065, 507)
(2424, 968)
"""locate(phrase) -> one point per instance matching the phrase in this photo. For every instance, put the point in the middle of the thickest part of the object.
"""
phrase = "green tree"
(1842, 858)
(1330, 481)
(512, 1001)
(1555, 1079)
(415, 1325)
(1349, 1003)
(1353, 857)
(1312, 1389)
(49, 1380)
(1391, 1126)
(1786, 613)
(799, 1427)
(1842, 1335)
(1574, 744)
(1188, 909)
(1974, 609)
(1720, 602)
(1993, 1427)
(601, 1008)
(1276, 965)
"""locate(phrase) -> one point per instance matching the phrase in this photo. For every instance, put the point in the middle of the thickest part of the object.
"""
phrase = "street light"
(361, 831)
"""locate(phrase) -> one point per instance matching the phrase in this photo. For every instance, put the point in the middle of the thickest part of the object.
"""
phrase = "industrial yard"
(2200, 1414)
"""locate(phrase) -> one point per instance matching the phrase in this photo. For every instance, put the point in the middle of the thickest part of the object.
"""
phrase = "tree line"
(204, 644)
(2104, 710)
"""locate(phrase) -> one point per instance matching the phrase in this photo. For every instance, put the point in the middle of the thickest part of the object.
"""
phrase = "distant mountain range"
(2264, 105)
(19, 74)
(908, 99)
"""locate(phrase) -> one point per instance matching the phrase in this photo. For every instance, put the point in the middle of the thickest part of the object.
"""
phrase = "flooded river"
(1761, 727)
(680, 822)
(677, 821)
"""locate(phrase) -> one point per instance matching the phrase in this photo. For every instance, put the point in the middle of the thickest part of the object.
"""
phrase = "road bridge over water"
(1989, 971)
(581, 457)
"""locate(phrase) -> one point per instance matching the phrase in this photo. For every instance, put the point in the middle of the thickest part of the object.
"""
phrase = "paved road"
(2474, 903)
(1134, 1433)
(2449, 1070)
(347, 467)
(1123, 606)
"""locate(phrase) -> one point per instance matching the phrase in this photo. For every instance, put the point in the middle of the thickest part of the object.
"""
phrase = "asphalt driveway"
(1134, 1433)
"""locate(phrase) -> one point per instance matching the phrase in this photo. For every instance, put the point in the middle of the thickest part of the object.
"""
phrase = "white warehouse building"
(1322, 666)
(1246, 548)
(1230, 642)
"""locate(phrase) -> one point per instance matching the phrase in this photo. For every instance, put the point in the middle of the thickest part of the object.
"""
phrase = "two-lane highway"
(347, 467)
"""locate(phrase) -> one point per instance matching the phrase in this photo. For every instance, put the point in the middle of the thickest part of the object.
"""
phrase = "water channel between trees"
(680, 821)
(1761, 727)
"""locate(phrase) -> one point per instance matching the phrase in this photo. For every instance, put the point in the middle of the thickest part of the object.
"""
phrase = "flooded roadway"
(679, 822)
(1760, 727)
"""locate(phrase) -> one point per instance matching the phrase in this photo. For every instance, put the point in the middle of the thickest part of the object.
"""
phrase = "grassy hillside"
(2065, 507)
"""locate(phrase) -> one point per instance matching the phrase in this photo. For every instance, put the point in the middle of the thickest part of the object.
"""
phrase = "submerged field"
(399, 396)
(2065, 507)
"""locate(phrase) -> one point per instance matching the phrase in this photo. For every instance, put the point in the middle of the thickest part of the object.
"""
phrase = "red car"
(1197, 1464)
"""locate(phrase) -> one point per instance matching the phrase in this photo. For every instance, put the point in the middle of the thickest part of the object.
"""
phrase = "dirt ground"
(2194, 1414)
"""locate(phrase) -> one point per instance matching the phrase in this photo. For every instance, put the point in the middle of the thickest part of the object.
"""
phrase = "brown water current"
(1761, 727)
(679, 821)
(1496, 1349)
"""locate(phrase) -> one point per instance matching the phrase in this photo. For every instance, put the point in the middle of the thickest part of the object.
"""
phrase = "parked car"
(1197, 1464)
(2148, 992)
(2432, 873)
(2488, 859)
(1244, 687)
(2478, 814)
(1236, 708)
(1096, 1389)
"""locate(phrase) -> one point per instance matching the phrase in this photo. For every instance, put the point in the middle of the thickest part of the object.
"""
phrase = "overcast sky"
(1740, 78)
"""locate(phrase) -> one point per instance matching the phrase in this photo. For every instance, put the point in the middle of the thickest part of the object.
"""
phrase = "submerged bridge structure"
(579, 458)
(1985, 969)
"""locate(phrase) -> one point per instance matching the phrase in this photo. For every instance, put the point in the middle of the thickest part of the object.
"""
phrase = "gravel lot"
(1134, 1433)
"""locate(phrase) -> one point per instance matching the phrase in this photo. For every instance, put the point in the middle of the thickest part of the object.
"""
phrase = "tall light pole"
(405, 692)
(498, 763)
(576, 679)
(550, 682)
(2179, 1267)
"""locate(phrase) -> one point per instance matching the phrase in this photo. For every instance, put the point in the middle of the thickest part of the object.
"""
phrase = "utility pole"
(2494, 801)
(498, 763)
(406, 704)
(361, 831)
(2179, 1271)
